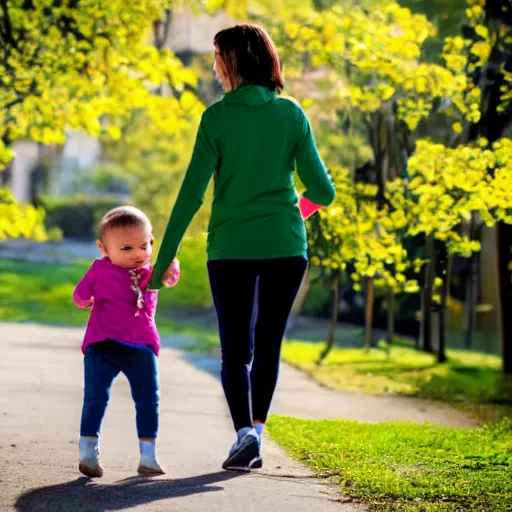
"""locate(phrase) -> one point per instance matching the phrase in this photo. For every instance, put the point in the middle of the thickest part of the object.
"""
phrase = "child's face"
(128, 247)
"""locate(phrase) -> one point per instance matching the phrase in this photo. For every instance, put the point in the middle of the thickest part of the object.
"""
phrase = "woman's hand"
(307, 207)
(172, 274)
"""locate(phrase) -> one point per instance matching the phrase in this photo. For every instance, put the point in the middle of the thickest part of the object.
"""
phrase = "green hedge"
(77, 217)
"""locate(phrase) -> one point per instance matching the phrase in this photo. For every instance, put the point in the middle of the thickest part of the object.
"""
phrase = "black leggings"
(251, 331)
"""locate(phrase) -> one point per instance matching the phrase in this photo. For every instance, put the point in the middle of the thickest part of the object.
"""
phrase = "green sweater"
(251, 142)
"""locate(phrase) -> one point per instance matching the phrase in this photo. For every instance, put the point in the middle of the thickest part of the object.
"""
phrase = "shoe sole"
(90, 471)
(257, 463)
(147, 471)
(241, 459)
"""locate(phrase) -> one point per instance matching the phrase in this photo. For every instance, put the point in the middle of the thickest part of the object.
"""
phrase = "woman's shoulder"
(213, 114)
(213, 109)
(289, 100)
(292, 110)
(291, 104)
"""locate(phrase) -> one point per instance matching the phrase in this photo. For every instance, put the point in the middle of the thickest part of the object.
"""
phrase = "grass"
(466, 378)
(403, 467)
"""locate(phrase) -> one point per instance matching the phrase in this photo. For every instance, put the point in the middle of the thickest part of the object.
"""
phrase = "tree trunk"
(426, 297)
(299, 301)
(494, 123)
(471, 301)
(369, 301)
(441, 351)
(504, 236)
(391, 316)
(331, 338)
(301, 294)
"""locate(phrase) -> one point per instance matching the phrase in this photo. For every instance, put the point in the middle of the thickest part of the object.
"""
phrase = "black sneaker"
(243, 453)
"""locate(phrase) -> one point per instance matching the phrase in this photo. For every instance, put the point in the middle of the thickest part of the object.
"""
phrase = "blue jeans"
(253, 300)
(102, 364)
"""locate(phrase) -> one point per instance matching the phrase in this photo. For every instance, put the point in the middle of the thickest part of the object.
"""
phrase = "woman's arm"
(204, 161)
(311, 170)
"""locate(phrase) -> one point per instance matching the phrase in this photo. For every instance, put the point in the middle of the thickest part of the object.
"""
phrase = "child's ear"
(152, 241)
(101, 247)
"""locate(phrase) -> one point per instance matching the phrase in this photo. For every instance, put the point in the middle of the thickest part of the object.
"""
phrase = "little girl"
(121, 334)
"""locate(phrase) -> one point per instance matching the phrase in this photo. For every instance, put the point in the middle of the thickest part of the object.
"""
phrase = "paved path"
(40, 401)
(299, 395)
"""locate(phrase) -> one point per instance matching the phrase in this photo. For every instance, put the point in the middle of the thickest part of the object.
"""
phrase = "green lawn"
(466, 378)
(405, 467)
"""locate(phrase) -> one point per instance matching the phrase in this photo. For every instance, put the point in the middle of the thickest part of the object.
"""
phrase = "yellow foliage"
(68, 67)
(382, 48)
(354, 230)
(444, 187)
(19, 220)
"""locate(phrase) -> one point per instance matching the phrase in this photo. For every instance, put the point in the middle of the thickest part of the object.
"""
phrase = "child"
(121, 334)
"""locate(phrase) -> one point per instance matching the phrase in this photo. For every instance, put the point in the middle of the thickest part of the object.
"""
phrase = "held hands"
(172, 274)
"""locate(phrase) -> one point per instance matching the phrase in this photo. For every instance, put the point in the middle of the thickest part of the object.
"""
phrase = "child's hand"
(83, 303)
(172, 274)
(88, 304)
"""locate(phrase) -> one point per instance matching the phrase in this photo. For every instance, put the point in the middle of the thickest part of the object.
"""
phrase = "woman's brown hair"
(250, 56)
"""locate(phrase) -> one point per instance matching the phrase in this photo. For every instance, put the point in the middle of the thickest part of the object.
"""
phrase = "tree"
(68, 64)
(489, 33)
(447, 186)
(355, 231)
(371, 60)
(82, 66)
(20, 221)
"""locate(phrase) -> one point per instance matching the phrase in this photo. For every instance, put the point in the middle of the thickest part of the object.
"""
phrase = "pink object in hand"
(172, 274)
(307, 207)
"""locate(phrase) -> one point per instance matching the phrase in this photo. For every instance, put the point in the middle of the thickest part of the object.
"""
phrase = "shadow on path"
(207, 363)
(83, 495)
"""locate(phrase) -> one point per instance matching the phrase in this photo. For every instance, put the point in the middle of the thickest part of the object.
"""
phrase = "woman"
(251, 142)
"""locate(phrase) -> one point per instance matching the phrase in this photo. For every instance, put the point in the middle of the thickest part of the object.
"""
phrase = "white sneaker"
(89, 463)
(148, 464)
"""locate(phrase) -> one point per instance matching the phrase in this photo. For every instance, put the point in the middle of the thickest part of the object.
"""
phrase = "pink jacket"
(123, 309)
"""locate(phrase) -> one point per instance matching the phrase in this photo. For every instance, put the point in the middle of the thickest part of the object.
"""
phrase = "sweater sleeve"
(204, 162)
(84, 292)
(310, 168)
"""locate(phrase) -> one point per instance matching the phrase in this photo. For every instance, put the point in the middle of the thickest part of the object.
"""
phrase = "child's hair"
(122, 217)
